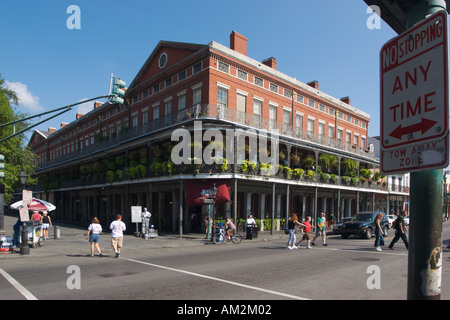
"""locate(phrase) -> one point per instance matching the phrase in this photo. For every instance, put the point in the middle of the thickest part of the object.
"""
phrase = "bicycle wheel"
(219, 238)
(237, 238)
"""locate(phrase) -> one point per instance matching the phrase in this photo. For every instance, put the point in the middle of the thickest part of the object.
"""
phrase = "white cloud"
(85, 107)
(26, 98)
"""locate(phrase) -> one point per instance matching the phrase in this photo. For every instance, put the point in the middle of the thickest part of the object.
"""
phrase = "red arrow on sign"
(424, 126)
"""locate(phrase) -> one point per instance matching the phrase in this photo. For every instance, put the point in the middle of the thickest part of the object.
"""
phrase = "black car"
(362, 224)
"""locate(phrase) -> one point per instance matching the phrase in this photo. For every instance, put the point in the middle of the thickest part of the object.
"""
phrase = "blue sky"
(51, 66)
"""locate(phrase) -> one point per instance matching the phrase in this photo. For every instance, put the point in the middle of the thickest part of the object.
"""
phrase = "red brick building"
(117, 156)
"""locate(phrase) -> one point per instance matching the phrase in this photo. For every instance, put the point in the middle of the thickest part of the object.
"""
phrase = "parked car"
(337, 226)
(391, 218)
(363, 225)
(406, 219)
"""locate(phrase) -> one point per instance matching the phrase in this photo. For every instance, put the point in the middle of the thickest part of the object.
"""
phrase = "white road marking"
(27, 294)
(220, 280)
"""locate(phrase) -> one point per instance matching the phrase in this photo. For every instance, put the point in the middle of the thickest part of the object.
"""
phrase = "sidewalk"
(73, 241)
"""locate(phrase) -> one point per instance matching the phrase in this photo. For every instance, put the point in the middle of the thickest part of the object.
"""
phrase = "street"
(253, 270)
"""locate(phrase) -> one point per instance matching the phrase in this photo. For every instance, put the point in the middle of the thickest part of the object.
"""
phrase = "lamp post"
(213, 195)
(24, 248)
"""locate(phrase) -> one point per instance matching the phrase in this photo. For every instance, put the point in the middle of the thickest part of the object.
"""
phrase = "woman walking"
(94, 231)
(379, 236)
(293, 221)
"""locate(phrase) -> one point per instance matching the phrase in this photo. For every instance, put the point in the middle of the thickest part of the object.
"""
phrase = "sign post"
(414, 134)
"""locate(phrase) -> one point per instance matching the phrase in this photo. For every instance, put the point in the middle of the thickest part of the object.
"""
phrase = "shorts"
(45, 225)
(306, 236)
(94, 238)
(117, 242)
(320, 232)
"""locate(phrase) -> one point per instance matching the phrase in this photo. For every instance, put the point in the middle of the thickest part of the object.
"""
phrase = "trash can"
(251, 232)
(57, 232)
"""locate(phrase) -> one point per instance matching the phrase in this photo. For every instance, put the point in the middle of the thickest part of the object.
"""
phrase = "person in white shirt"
(117, 228)
(251, 223)
(145, 221)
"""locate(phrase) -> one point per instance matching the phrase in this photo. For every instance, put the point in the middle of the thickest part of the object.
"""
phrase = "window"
(224, 67)
(222, 97)
(242, 75)
(330, 132)
(241, 103)
(311, 103)
(144, 94)
(300, 98)
(321, 129)
(155, 112)
(287, 93)
(259, 81)
(181, 102)
(182, 75)
(340, 134)
(257, 110)
(197, 96)
(272, 116)
(348, 137)
(197, 68)
(156, 88)
(321, 107)
(273, 88)
(169, 82)
(167, 107)
(310, 126)
(299, 121)
(355, 139)
(135, 121)
(145, 117)
(363, 142)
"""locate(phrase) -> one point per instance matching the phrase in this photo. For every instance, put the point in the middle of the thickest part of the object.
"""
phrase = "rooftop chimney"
(79, 115)
(238, 42)
(97, 104)
(271, 62)
(51, 130)
(346, 100)
(314, 84)
(63, 124)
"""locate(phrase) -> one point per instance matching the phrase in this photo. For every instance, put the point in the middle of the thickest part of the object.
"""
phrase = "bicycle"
(221, 237)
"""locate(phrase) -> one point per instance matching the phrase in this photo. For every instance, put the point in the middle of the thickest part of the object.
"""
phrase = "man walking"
(117, 228)
(320, 230)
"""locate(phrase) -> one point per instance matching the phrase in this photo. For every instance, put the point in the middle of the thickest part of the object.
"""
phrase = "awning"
(197, 191)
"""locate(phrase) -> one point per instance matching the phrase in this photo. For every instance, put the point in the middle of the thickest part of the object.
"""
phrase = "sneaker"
(117, 254)
(294, 247)
(392, 248)
(378, 249)
(308, 247)
(101, 254)
(312, 243)
(325, 244)
(289, 248)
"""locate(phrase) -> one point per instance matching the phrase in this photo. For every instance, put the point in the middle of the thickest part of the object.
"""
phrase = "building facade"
(118, 156)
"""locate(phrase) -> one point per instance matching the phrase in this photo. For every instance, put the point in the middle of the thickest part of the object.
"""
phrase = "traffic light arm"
(64, 109)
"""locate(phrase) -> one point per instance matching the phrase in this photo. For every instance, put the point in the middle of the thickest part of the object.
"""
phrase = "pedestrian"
(146, 215)
(46, 223)
(251, 223)
(36, 218)
(400, 230)
(292, 222)
(332, 220)
(306, 228)
(229, 227)
(117, 228)
(93, 235)
(320, 230)
(379, 236)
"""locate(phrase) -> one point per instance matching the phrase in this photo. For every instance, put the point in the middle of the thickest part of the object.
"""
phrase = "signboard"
(414, 97)
(23, 213)
(27, 196)
(136, 214)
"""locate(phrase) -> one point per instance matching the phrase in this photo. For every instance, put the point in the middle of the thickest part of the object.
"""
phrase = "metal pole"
(425, 231)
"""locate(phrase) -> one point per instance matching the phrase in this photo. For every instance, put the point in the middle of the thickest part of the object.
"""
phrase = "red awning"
(197, 191)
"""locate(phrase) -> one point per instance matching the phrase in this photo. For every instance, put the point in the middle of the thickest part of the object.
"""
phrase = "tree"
(17, 155)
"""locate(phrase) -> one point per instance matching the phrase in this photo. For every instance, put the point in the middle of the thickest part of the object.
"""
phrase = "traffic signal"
(117, 91)
(2, 166)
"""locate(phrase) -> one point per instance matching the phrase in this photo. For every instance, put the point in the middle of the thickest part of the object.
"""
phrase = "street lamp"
(24, 248)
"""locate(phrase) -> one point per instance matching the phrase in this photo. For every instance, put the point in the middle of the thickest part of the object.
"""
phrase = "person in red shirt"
(306, 228)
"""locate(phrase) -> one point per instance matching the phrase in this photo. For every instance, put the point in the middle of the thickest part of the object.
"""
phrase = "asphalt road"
(250, 271)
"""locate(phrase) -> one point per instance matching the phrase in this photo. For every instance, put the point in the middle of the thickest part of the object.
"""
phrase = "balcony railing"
(206, 112)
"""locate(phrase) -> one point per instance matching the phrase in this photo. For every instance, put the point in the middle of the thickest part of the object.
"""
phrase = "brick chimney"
(238, 42)
(346, 100)
(63, 124)
(97, 104)
(51, 130)
(79, 115)
(314, 84)
(271, 62)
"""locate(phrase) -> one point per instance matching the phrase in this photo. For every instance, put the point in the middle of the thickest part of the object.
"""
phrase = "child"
(306, 228)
